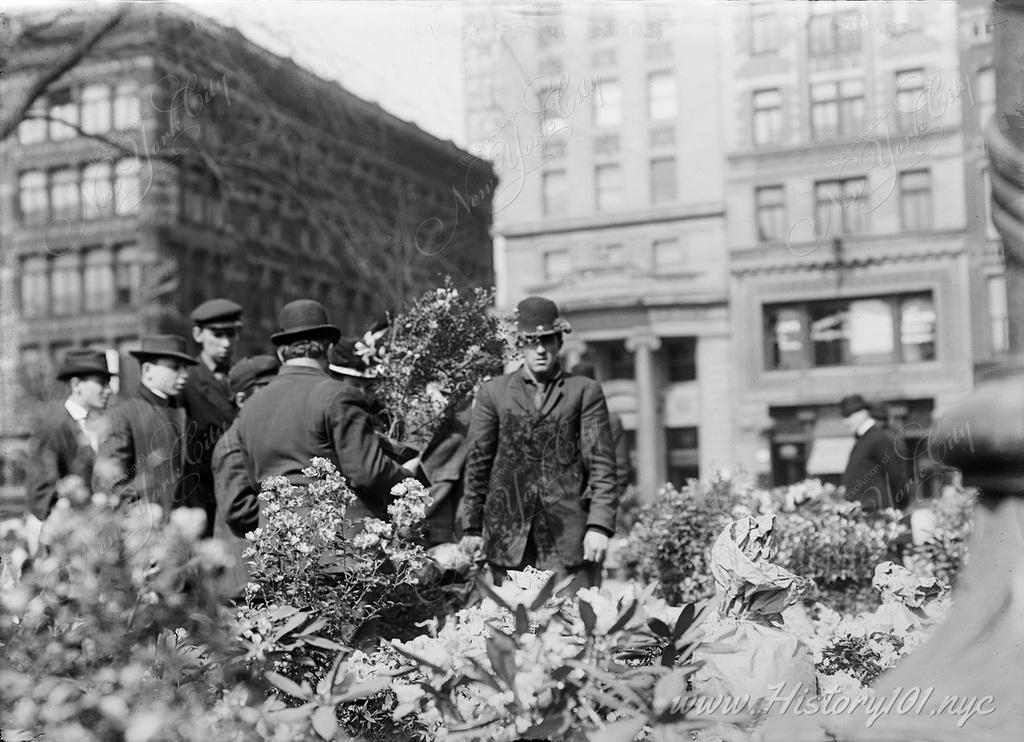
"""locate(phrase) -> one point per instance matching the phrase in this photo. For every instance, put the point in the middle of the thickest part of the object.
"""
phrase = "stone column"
(649, 466)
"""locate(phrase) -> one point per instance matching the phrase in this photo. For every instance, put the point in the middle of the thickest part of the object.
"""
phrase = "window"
(619, 359)
(98, 280)
(985, 96)
(837, 108)
(608, 185)
(764, 30)
(663, 180)
(608, 104)
(851, 332)
(97, 190)
(916, 199)
(128, 276)
(839, 206)
(64, 194)
(556, 264)
(96, 109)
(661, 96)
(33, 199)
(127, 111)
(63, 113)
(609, 257)
(767, 126)
(127, 186)
(32, 128)
(682, 448)
(770, 204)
(67, 284)
(837, 33)
(999, 316)
(35, 287)
(554, 125)
(910, 99)
(670, 254)
(680, 358)
(555, 192)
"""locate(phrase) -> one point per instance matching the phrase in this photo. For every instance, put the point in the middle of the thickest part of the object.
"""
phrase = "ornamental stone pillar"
(650, 467)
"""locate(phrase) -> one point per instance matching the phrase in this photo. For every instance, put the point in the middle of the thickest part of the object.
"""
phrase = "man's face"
(92, 392)
(218, 343)
(540, 353)
(167, 375)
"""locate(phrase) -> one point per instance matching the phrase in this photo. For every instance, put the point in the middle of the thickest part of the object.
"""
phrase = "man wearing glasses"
(540, 485)
(216, 325)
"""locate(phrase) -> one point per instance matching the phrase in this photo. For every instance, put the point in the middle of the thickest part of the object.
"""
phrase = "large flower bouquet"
(433, 356)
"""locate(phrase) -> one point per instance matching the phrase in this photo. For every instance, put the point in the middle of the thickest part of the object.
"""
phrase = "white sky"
(406, 56)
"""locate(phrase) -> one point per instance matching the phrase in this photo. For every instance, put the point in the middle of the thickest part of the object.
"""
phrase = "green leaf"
(623, 618)
(659, 627)
(290, 625)
(522, 620)
(365, 689)
(684, 621)
(489, 592)
(417, 659)
(321, 643)
(552, 724)
(287, 686)
(291, 715)
(624, 730)
(546, 592)
(324, 722)
(588, 616)
(502, 660)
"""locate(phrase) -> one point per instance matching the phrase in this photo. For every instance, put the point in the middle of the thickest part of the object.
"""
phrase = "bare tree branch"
(9, 121)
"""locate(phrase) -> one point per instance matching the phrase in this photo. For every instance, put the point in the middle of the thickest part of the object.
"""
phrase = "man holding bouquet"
(540, 485)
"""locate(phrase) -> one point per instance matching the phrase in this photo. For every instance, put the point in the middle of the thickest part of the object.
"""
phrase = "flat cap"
(251, 371)
(217, 313)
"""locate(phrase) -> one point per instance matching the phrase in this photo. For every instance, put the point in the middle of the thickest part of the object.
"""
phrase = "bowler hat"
(537, 316)
(83, 362)
(217, 314)
(851, 404)
(251, 371)
(303, 318)
(163, 346)
(346, 361)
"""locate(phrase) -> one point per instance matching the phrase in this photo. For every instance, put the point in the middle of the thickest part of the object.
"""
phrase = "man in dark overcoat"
(216, 325)
(303, 413)
(540, 474)
(67, 443)
(877, 474)
(142, 454)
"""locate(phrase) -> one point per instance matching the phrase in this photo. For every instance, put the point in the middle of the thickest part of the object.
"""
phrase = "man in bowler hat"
(237, 504)
(142, 455)
(216, 325)
(876, 474)
(303, 413)
(64, 450)
(540, 474)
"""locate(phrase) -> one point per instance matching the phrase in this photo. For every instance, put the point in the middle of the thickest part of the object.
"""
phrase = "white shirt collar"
(77, 412)
(865, 427)
(158, 393)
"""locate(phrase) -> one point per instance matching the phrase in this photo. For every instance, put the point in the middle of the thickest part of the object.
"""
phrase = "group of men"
(533, 480)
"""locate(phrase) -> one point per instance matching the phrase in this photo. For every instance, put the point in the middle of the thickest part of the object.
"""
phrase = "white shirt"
(865, 427)
(79, 414)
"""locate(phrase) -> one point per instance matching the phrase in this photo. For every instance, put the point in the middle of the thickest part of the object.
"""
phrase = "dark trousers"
(586, 574)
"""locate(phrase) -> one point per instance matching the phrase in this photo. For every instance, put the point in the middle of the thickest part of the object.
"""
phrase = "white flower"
(190, 522)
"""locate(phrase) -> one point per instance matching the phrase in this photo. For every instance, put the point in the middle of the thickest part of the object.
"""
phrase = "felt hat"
(346, 361)
(252, 371)
(303, 318)
(537, 316)
(83, 362)
(851, 404)
(217, 314)
(163, 346)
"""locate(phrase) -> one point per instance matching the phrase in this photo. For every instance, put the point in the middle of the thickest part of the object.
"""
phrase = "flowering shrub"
(944, 554)
(308, 554)
(434, 354)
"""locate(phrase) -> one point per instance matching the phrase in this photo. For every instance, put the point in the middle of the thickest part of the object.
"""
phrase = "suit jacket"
(304, 413)
(237, 507)
(548, 474)
(444, 465)
(210, 411)
(621, 448)
(877, 475)
(59, 450)
(143, 454)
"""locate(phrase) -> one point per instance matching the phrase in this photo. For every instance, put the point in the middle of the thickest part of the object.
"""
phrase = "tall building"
(859, 255)
(178, 161)
(604, 125)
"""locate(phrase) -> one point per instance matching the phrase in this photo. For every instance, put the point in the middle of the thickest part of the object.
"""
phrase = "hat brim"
(80, 371)
(346, 371)
(299, 333)
(146, 355)
(220, 325)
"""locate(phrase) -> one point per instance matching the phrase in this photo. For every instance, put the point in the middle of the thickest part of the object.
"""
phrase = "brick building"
(178, 161)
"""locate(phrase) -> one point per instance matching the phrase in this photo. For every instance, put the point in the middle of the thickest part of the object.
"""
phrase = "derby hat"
(303, 318)
(217, 314)
(346, 361)
(252, 371)
(537, 316)
(83, 362)
(163, 346)
(851, 404)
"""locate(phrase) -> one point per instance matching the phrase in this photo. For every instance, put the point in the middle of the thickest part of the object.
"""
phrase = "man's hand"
(595, 546)
(471, 544)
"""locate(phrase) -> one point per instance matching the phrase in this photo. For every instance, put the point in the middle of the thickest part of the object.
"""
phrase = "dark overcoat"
(237, 507)
(877, 474)
(549, 471)
(142, 454)
(59, 450)
(207, 401)
(303, 413)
